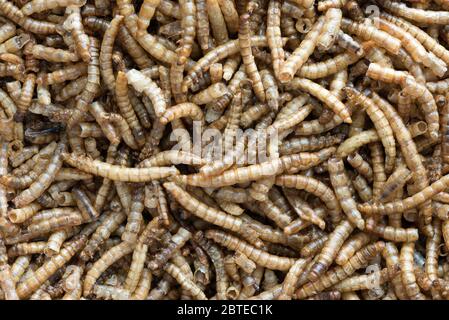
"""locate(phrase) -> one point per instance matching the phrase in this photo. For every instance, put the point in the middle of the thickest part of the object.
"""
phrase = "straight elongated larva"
(301, 54)
(40, 5)
(258, 256)
(108, 258)
(381, 124)
(394, 182)
(339, 273)
(330, 249)
(117, 173)
(274, 35)
(417, 15)
(340, 183)
(323, 95)
(331, 28)
(258, 171)
(407, 272)
(248, 58)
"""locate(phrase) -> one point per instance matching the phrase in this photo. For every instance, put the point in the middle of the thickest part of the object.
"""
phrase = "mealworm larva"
(417, 15)
(290, 280)
(330, 249)
(394, 182)
(106, 52)
(407, 271)
(315, 187)
(258, 171)
(24, 213)
(181, 110)
(40, 5)
(353, 143)
(427, 41)
(260, 257)
(381, 124)
(340, 273)
(328, 98)
(209, 94)
(340, 182)
(22, 249)
(117, 173)
(328, 67)
(251, 69)
(310, 143)
(368, 32)
(124, 104)
(412, 45)
(146, 12)
(74, 25)
(362, 166)
(14, 44)
(70, 72)
(145, 85)
(351, 246)
(185, 282)
(217, 21)
(43, 181)
(274, 38)
(26, 95)
(230, 15)
(107, 259)
(392, 233)
(366, 281)
(301, 54)
(330, 29)
(408, 203)
(31, 284)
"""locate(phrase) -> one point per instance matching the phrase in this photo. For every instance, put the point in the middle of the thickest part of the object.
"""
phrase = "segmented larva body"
(184, 281)
(274, 38)
(126, 109)
(407, 203)
(146, 86)
(427, 41)
(295, 61)
(394, 183)
(260, 257)
(107, 259)
(36, 6)
(362, 166)
(364, 282)
(407, 272)
(248, 58)
(31, 284)
(351, 246)
(330, 29)
(340, 273)
(340, 182)
(328, 98)
(258, 171)
(368, 32)
(390, 233)
(39, 186)
(317, 188)
(381, 124)
(117, 173)
(330, 249)
(420, 16)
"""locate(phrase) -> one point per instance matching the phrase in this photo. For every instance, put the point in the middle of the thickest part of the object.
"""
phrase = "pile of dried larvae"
(224, 149)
